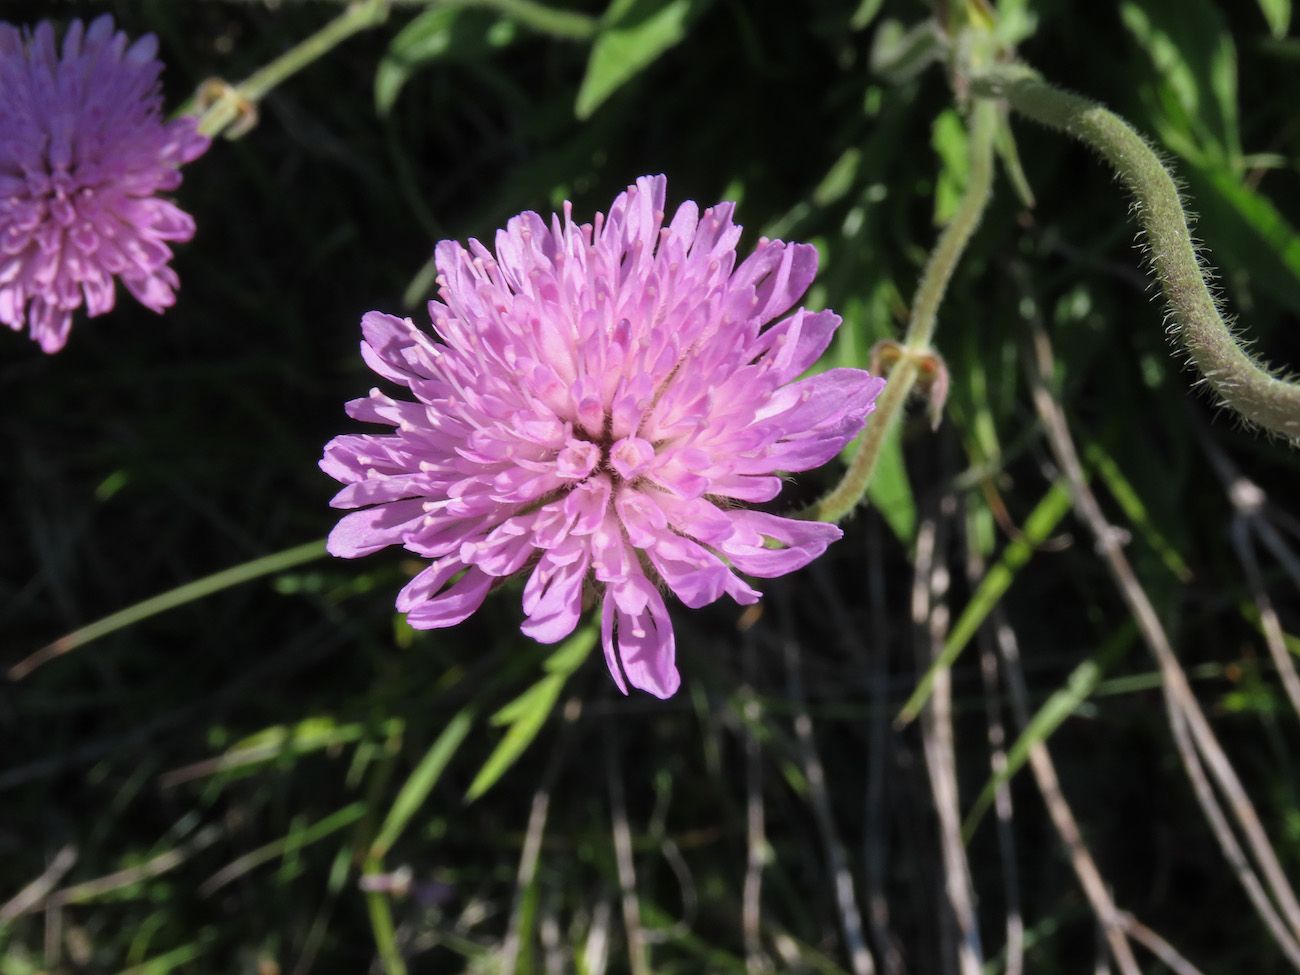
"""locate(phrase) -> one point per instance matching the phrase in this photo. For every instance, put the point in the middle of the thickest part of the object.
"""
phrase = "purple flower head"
(599, 399)
(83, 150)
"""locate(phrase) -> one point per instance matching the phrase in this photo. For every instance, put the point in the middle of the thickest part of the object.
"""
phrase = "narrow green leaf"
(381, 923)
(890, 491)
(948, 139)
(168, 961)
(838, 179)
(528, 712)
(1257, 238)
(1005, 143)
(441, 32)
(421, 782)
(533, 708)
(1196, 61)
(865, 14)
(1278, 15)
(1081, 683)
(1123, 492)
(298, 837)
(631, 37)
(1041, 522)
(424, 39)
(266, 565)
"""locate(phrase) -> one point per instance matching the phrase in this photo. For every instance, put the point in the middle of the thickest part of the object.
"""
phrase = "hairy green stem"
(1240, 382)
(920, 327)
(360, 15)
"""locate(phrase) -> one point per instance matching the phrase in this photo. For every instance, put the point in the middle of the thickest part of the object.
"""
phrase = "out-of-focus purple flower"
(601, 400)
(83, 151)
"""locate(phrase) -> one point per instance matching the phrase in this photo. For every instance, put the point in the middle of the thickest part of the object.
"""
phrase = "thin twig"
(1178, 691)
(1015, 947)
(533, 837)
(755, 827)
(1268, 620)
(850, 917)
(90, 889)
(34, 893)
(595, 952)
(1067, 828)
(1232, 850)
(555, 960)
(930, 626)
(874, 845)
(1252, 513)
(638, 955)
(1157, 945)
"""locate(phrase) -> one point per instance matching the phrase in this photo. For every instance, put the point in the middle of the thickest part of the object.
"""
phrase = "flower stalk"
(234, 108)
(914, 352)
(1257, 395)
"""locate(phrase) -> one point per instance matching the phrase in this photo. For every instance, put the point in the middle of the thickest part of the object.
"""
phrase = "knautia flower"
(83, 151)
(599, 401)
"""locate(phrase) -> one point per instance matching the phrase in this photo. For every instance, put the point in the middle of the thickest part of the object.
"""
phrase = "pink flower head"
(83, 150)
(601, 397)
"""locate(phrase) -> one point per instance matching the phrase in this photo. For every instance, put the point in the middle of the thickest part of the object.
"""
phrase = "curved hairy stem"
(1240, 382)
(915, 346)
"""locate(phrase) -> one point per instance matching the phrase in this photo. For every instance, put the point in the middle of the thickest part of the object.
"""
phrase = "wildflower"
(601, 398)
(83, 151)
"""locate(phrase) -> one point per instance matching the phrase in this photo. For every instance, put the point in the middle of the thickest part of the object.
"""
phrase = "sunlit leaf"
(891, 493)
(1196, 61)
(421, 782)
(1278, 15)
(633, 34)
(438, 33)
(528, 712)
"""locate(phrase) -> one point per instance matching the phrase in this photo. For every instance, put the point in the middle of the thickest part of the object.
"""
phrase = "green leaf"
(1083, 680)
(899, 54)
(838, 179)
(891, 493)
(528, 712)
(633, 34)
(1016, 22)
(865, 14)
(1258, 241)
(421, 782)
(1005, 143)
(948, 138)
(424, 39)
(1193, 53)
(1042, 521)
(440, 32)
(1127, 497)
(1278, 15)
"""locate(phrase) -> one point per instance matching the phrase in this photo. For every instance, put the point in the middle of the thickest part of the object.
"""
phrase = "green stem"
(359, 16)
(381, 924)
(1240, 382)
(545, 20)
(267, 565)
(920, 328)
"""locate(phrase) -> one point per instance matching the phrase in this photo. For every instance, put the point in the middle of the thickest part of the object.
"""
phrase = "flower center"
(625, 459)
